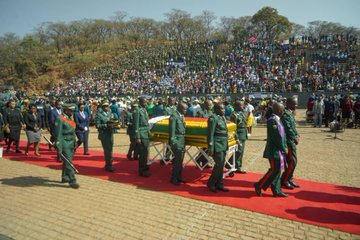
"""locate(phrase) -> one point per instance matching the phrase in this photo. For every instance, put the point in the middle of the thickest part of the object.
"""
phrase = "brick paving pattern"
(35, 205)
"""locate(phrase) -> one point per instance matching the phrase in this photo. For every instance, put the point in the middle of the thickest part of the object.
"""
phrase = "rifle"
(62, 156)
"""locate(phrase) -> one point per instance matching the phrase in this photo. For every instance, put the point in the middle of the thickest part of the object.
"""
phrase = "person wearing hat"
(292, 139)
(24, 108)
(238, 118)
(177, 142)
(141, 126)
(106, 136)
(275, 151)
(66, 143)
(131, 132)
(169, 110)
(217, 138)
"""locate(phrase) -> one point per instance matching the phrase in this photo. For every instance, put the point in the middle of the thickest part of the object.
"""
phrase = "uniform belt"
(221, 135)
(69, 134)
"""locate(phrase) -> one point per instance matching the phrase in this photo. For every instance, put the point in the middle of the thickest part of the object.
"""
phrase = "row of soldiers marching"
(282, 138)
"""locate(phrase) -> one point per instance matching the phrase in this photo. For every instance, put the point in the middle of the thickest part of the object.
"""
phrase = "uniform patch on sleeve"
(275, 126)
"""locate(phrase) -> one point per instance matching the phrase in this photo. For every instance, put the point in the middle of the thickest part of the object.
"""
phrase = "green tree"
(270, 24)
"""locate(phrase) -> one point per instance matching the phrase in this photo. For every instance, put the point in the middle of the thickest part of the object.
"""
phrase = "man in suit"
(65, 143)
(106, 136)
(177, 142)
(82, 121)
(238, 118)
(48, 108)
(54, 113)
(14, 118)
(292, 138)
(218, 145)
(275, 151)
(141, 126)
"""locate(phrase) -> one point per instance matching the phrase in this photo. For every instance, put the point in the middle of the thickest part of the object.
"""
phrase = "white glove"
(86, 128)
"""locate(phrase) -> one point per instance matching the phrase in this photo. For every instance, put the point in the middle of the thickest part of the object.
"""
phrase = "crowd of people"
(304, 64)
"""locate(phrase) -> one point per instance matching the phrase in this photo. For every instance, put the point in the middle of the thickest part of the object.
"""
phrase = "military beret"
(68, 106)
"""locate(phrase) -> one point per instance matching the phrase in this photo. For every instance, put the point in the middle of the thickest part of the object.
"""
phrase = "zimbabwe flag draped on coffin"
(196, 131)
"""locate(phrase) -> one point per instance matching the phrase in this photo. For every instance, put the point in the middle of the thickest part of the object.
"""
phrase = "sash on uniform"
(282, 134)
(68, 121)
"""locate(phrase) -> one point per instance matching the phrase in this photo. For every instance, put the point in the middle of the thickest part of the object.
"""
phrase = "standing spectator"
(115, 111)
(346, 109)
(249, 115)
(196, 107)
(319, 110)
(329, 111)
(82, 121)
(2, 124)
(356, 109)
(33, 124)
(151, 108)
(14, 119)
(275, 151)
(159, 109)
(228, 110)
(40, 106)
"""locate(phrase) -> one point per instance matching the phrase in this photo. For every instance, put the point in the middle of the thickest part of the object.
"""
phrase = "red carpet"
(321, 204)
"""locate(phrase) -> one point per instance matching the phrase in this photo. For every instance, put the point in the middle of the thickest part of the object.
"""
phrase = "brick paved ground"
(34, 206)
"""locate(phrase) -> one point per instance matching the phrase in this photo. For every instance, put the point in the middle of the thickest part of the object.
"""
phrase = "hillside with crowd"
(328, 63)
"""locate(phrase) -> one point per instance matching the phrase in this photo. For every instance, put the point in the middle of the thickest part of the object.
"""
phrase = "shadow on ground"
(30, 181)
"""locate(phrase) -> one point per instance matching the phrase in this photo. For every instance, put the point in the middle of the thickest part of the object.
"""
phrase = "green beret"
(68, 106)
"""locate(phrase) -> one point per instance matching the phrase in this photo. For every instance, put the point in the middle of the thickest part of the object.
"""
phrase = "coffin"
(196, 131)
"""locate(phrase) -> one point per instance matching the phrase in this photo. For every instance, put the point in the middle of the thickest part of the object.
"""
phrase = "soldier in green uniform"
(131, 132)
(141, 126)
(169, 110)
(238, 118)
(65, 142)
(218, 145)
(105, 129)
(177, 142)
(275, 151)
(292, 137)
(171, 107)
(205, 112)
